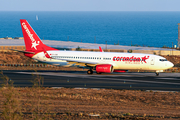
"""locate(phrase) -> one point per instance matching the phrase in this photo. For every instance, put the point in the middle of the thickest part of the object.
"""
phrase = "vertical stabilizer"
(31, 39)
(100, 49)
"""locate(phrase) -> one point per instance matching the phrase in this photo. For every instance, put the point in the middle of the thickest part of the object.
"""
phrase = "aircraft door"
(152, 60)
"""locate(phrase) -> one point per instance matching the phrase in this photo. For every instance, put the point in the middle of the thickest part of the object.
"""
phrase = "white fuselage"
(120, 61)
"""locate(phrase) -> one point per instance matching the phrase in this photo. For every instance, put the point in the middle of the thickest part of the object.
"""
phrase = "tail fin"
(31, 39)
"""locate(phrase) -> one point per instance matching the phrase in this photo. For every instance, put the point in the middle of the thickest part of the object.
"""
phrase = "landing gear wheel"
(157, 74)
(89, 72)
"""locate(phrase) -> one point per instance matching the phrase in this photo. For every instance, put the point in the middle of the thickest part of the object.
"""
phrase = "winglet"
(100, 49)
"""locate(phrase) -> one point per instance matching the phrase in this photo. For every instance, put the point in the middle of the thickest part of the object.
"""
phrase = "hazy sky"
(89, 5)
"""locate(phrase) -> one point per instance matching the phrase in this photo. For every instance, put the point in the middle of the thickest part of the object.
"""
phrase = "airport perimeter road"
(134, 81)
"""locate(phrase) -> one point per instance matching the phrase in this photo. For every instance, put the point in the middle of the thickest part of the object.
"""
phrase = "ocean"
(154, 29)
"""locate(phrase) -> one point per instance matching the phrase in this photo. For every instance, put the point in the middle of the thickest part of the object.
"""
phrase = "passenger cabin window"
(162, 60)
(106, 58)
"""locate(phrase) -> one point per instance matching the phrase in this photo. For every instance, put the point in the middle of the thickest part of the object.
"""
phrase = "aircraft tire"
(89, 72)
(157, 74)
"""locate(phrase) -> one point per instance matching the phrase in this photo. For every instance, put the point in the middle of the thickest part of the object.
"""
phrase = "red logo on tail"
(34, 42)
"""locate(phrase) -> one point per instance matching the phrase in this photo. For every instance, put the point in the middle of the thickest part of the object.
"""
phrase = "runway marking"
(92, 76)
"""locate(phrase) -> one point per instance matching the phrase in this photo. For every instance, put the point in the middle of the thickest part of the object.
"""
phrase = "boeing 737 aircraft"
(101, 62)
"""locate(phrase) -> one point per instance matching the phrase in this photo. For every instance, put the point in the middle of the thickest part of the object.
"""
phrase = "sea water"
(155, 29)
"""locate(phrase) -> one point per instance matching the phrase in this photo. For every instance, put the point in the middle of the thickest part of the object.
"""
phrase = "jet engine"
(104, 68)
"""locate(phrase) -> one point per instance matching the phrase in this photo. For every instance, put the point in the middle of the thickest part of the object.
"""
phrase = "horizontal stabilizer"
(22, 51)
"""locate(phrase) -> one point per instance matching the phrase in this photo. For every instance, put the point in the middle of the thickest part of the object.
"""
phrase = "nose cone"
(170, 64)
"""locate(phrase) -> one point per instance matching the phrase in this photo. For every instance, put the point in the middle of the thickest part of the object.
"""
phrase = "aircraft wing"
(77, 62)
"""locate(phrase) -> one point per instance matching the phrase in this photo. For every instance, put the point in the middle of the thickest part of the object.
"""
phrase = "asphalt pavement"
(79, 79)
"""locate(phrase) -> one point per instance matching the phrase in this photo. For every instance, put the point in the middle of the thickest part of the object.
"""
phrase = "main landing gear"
(90, 71)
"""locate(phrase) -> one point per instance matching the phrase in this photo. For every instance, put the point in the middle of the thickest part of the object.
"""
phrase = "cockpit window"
(162, 60)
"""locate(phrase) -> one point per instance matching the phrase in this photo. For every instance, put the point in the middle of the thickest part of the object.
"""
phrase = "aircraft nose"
(170, 64)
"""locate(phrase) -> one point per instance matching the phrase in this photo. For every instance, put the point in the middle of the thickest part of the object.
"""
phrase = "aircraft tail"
(32, 42)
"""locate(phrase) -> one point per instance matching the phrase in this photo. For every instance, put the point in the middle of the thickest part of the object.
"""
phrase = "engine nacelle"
(104, 68)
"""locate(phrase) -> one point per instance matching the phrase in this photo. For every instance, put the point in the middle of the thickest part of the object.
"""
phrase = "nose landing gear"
(157, 74)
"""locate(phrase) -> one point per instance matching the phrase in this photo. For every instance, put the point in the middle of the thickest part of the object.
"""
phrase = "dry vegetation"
(64, 103)
(14, 58)
(38, 102)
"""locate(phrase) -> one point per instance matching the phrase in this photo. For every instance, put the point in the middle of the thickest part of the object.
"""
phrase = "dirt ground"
(70, 103)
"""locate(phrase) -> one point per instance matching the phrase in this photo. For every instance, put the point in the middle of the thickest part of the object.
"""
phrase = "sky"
(89, 5)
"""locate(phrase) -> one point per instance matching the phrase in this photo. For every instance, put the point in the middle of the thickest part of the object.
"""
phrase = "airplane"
(101, 62)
